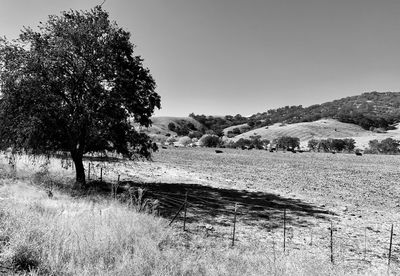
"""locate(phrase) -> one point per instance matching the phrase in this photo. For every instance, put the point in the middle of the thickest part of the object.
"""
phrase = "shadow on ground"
(216, 205)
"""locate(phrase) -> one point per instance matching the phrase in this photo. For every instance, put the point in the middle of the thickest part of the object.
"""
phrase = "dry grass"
(97, 236)
(65, 236)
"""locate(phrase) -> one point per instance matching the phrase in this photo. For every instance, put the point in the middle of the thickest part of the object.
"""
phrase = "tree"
(75, 85)
(313, 144)
(171, 126)
(210, 141)
(287, 142)
(337, 144)
(389, 146)
(350, 144)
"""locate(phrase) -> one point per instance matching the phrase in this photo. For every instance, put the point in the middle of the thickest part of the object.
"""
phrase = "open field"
(358, 194)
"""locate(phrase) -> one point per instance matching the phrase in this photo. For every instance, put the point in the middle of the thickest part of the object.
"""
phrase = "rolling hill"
(159, 128)
(321, 129)
(359, 117)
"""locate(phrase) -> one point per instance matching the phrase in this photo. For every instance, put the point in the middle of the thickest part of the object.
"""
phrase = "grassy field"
(93, 234)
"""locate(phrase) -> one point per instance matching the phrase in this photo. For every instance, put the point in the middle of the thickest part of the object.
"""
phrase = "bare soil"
(359, 195)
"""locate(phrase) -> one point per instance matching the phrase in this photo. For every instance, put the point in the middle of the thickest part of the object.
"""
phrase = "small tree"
(75, 85)
(338, 145)
(171, 126)
(287, 142)
(389, 146)
(313, 144)
(350, 144)
(210, 141)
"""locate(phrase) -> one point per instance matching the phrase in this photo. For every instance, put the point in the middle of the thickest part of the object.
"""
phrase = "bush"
(185, 141)
(210, 141)
(195, 134)
(171, 140)
(171, 126)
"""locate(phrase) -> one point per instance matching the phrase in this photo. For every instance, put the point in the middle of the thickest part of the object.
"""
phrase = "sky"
(220, 57)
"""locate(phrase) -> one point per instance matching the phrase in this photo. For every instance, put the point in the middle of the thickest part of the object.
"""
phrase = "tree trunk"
(80, 180)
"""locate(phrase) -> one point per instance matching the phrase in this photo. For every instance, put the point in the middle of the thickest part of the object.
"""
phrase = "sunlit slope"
(308, 130)
(160, 124)
(321, 129)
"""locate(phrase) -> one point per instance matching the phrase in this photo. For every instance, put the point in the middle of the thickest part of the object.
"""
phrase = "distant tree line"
(386, 146)
(332, 145)
(369, 110)
(218, 124)
(372, 111)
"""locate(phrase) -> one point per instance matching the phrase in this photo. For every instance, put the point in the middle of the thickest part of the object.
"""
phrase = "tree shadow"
(212, 205)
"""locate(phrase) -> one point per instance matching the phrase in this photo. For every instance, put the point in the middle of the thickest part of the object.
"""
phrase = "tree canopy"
(75, 85)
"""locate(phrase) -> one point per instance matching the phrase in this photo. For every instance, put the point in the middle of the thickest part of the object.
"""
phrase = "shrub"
(171, 126)
(185, 140)
(210, 141)
(171, 140)
(195, 134)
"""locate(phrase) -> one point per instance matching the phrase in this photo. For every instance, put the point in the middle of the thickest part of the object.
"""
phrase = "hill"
(162, 127)
(321, 129)
(368, 110)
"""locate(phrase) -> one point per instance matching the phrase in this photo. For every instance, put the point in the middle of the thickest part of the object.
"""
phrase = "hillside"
(368, 110)
(182, 126)
(321, 129)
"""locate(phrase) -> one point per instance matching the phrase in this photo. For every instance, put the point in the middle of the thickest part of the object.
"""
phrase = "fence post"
(89, 172)
(332, 242)
(234, 226)
(101, 174)
(284, 230)
(365, 243)
(390, 246)
(177, 213)
(184, 217)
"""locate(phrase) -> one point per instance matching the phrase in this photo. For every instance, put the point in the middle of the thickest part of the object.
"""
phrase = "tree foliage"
(210, 141)
(386, 146)
(287, 143)
(332, 145)
(75, 85)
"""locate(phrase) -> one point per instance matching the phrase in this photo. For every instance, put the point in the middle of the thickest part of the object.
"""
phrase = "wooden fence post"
(177, 213)
(101, 174)
(234, 226)
(184, 217)
(365, 243)
(390, 246)
(284, 230)
(89, 172)
(332, 242)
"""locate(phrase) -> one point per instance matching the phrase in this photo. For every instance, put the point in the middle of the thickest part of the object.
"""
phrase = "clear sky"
(219, 57)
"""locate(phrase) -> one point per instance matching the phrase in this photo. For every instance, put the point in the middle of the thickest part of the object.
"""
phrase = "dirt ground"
(359, 195)
(296, 196)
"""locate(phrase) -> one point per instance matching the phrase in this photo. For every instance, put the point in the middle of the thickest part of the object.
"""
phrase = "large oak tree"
(75, 85)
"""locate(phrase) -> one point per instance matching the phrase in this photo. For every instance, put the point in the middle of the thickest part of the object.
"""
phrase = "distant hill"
(352, 117)
(368, 110)
(182, 126)
(321, 129)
